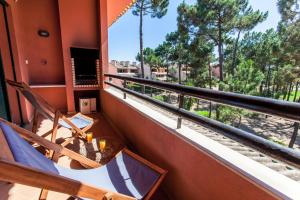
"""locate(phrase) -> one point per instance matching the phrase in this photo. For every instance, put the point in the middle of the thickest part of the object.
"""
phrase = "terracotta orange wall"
(44, 55)
(54, 96)
(15, 24)
(193, 174)
(25, 19)
(103, 33)
(81, 23)
(79, 27)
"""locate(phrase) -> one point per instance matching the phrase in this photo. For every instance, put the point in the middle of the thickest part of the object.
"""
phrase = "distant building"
(125, 67)
(147, 71)
(134, 70)
(159, 74)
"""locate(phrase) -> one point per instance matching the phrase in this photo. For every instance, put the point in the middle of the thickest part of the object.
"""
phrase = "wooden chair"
(78, 123)
(38, 171)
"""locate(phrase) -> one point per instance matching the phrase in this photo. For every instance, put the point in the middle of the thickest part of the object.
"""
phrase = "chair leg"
(55, 157)
(43, 194)
(35, 121)
(54, 130)
(108, 196)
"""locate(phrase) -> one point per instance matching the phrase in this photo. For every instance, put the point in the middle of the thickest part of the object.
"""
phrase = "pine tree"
(219, 19)
(163, 52)
(150, 58)
(245, 21)
(154, 8)
(289, 29)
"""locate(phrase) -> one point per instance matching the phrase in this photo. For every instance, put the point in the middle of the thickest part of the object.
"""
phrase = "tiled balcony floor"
(100, 129)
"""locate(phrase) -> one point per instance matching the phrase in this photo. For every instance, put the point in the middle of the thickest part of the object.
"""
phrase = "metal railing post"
(143, 89)
(294, 136)
(124, 85)
(180, 105)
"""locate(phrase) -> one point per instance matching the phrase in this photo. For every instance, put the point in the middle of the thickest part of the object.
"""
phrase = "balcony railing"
(269, 106)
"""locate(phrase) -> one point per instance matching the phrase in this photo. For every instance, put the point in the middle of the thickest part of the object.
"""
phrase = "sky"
(124, 34)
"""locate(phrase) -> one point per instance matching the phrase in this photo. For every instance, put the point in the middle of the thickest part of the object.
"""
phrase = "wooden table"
(91, 150)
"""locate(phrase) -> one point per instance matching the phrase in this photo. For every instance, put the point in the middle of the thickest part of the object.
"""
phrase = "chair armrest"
(75, 156)
(78, 130)
(86, 117)
(82, 115)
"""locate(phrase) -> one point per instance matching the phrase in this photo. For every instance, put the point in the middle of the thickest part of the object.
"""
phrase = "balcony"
(186, 152)
(145, 126)
(205, 159)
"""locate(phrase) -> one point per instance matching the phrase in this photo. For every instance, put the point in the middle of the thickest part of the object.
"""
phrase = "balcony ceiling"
(116, 8)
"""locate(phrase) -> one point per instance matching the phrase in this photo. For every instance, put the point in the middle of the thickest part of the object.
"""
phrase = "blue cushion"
(123, 174)
(78, 120)
(24, 153)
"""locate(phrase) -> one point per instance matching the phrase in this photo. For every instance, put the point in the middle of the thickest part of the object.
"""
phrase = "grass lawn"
(204, 113)
(292, 96)
(159, 97)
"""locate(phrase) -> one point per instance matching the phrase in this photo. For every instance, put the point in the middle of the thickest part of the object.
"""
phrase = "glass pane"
(3, 106)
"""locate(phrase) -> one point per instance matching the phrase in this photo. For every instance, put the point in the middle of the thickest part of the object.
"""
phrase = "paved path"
(274, 128)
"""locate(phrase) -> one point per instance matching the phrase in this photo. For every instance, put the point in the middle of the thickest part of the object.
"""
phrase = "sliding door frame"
(4, 5)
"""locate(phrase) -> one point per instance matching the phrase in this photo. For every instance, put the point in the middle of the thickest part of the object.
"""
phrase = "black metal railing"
(274, 107)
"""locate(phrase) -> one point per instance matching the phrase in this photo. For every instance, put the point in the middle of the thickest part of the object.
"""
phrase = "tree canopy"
(217, 35)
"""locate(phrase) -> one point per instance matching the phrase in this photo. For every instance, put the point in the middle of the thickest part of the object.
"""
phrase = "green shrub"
(159, 97)
(163, 98)
(229, 115)
(188, 103)
(204, 113)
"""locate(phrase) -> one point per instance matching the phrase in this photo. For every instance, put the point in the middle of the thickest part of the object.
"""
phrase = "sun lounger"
(126, 176)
